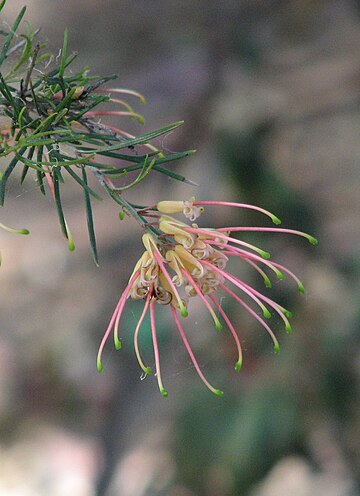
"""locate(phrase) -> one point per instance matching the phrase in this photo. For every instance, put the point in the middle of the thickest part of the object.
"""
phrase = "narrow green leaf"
(45, 124)
(24, 173)
(30, 141)
(128, 207)
(98, 83)
(26, 53)
(26, 168)
(173, 175)
(55, 158)
(120, 172)
(21, 43)
(89, 219)
(96, 101)
(51, 77)
(28, 162)
(100, 138)
(59, 206)
(80, 77)
(167, 158)
(5, 176)
(11, 34)
(139, 159)
(142, 139)
(2, 4)
(67, 132)
(34, 164)
(39, 171)
(174, 156)
(83, 184)
(146, 168)
(70, 59)
(34, 97)
(40, 176)
(66, 101)
(63, 54)
(21, 115)
(97, 165)
(5, 90)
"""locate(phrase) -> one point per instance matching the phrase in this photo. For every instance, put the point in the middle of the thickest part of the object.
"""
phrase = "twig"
(24, 86)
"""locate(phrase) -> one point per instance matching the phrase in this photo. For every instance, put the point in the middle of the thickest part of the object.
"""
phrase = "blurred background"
(269, 91)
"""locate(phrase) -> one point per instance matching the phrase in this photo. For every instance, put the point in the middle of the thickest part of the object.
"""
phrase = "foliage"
(49, 125)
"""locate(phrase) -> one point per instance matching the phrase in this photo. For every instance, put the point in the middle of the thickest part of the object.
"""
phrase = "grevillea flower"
(183, 261)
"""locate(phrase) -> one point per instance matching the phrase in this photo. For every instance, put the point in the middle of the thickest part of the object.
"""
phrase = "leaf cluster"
(49, 125)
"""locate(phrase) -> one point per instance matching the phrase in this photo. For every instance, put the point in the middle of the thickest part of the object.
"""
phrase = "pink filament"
(191, 354)
(108, 112)
(156, 348)
(217, 234)
(253, 313)
(231, 204)
(201, 295)
(168, 278)
(122, 305)
(243, 254)
(261, 272)
(240, 284)
(136, 334)
(270, 302)
(128, 135)
(291, 274)
(230, 326)
(262, 229)
(123, 91)
(117, 311)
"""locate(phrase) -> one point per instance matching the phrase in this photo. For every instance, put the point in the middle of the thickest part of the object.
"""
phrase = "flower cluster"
(183, 261)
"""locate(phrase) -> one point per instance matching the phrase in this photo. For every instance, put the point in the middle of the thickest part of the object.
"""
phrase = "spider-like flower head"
(183, 261)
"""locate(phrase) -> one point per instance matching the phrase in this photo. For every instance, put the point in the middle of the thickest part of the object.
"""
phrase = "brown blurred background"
(269, 91)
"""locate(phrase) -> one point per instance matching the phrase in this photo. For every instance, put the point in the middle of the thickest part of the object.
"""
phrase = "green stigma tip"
(164, 392)
(287, 313)
(71, 244)
(301, 288)
(99, 366)
(23, 231)
(265, 254)
(276, 348)
(266, 313)
(288, 328)
(117, 343)
(218, 392)
(218, 325)
(184, 312)
(238, 366)
(276, 220)
(267, 283)
(147, 370)
(121, 215)
(312, 240)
